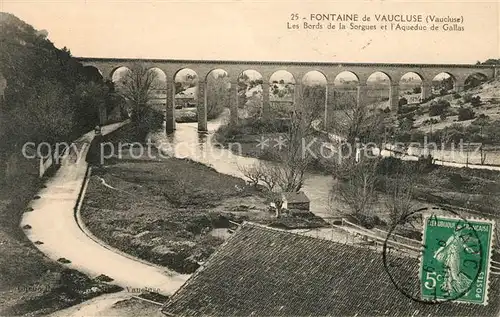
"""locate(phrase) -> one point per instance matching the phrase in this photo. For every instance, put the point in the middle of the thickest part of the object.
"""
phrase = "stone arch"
(475, 79)
(251, 94)
(116, 71)
(346, 77)
(411, 88)
(443, 83)
(282, 93)
(117, 77)
(345, 90)
(380, 91)
(93, 73)
(161, 80)
(218, 87)
(315, 94)
(380, 73)
(158, 89)
(186, 95)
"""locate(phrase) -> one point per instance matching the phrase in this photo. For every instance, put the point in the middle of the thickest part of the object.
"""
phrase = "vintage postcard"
(249, 158)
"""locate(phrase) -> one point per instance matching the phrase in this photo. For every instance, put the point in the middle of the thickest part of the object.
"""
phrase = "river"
(186, 142)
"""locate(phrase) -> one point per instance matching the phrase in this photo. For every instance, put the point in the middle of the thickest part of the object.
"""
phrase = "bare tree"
(354, 121)
(356, 188)
(137, 86)
(253, 172)
(400, 189)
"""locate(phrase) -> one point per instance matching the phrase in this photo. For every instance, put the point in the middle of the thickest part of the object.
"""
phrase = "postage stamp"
(455, 259)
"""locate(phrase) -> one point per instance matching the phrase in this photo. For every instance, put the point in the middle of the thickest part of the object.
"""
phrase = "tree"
(137, 87)
(217, 95)
(356, 122)
(400, 190)
(46, 109)
(355, 187)
(314, 100)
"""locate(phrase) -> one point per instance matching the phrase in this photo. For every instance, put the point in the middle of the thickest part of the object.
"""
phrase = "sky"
(257, 30)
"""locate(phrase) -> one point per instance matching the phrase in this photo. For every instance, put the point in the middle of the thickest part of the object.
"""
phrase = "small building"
(295, 200)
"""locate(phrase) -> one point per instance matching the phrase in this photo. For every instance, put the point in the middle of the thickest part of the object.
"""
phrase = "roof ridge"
(285, 231)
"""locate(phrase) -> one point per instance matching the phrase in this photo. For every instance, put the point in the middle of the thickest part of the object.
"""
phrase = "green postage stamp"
(455, 259)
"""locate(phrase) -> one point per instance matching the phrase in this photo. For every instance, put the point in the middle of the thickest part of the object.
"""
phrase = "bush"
(430, 121)
(417, 136)
(475, 101)
(407, 108)
(402, 101)
(417, 90)
(465, 114)
(406, 124)
(467, 98)
(482, 119)
(420, 111)
(442, 117)
(145, 121)
(438, 108)
(456, 95)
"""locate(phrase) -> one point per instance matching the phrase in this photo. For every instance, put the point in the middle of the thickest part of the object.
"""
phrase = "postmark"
(455, 260)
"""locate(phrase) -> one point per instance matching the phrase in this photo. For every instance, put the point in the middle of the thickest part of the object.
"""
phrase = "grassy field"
(164, 211)
(30, 283)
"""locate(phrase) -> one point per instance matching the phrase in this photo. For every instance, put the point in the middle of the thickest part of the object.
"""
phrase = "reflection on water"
(186, 142)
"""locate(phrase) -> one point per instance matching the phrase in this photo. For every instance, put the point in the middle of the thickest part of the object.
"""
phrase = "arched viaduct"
(459, 73)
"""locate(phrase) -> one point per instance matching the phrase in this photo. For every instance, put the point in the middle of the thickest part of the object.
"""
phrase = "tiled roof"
(260, 271)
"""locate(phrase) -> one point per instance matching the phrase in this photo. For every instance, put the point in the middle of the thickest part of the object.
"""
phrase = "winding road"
(53, 221)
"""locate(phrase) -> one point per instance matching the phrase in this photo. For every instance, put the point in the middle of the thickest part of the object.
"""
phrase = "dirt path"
(52, 222)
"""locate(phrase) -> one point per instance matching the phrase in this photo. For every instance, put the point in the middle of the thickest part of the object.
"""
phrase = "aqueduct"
(426, 72)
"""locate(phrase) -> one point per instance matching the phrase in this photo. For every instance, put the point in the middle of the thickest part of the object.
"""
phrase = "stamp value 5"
(455, 259)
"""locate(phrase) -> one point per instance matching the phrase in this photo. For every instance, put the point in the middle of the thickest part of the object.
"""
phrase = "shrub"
(467, 98)
(406, 124)
(475, 101)
(456, 95)
(465, 114)
(439, 107)
(443, 116)
(417, 90)
(146, 120)
(417, 136)
(402, 101)
(407, 108)
(482, 119)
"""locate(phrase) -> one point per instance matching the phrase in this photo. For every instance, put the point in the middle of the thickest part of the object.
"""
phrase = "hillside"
(472, 115)
(489, 94)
